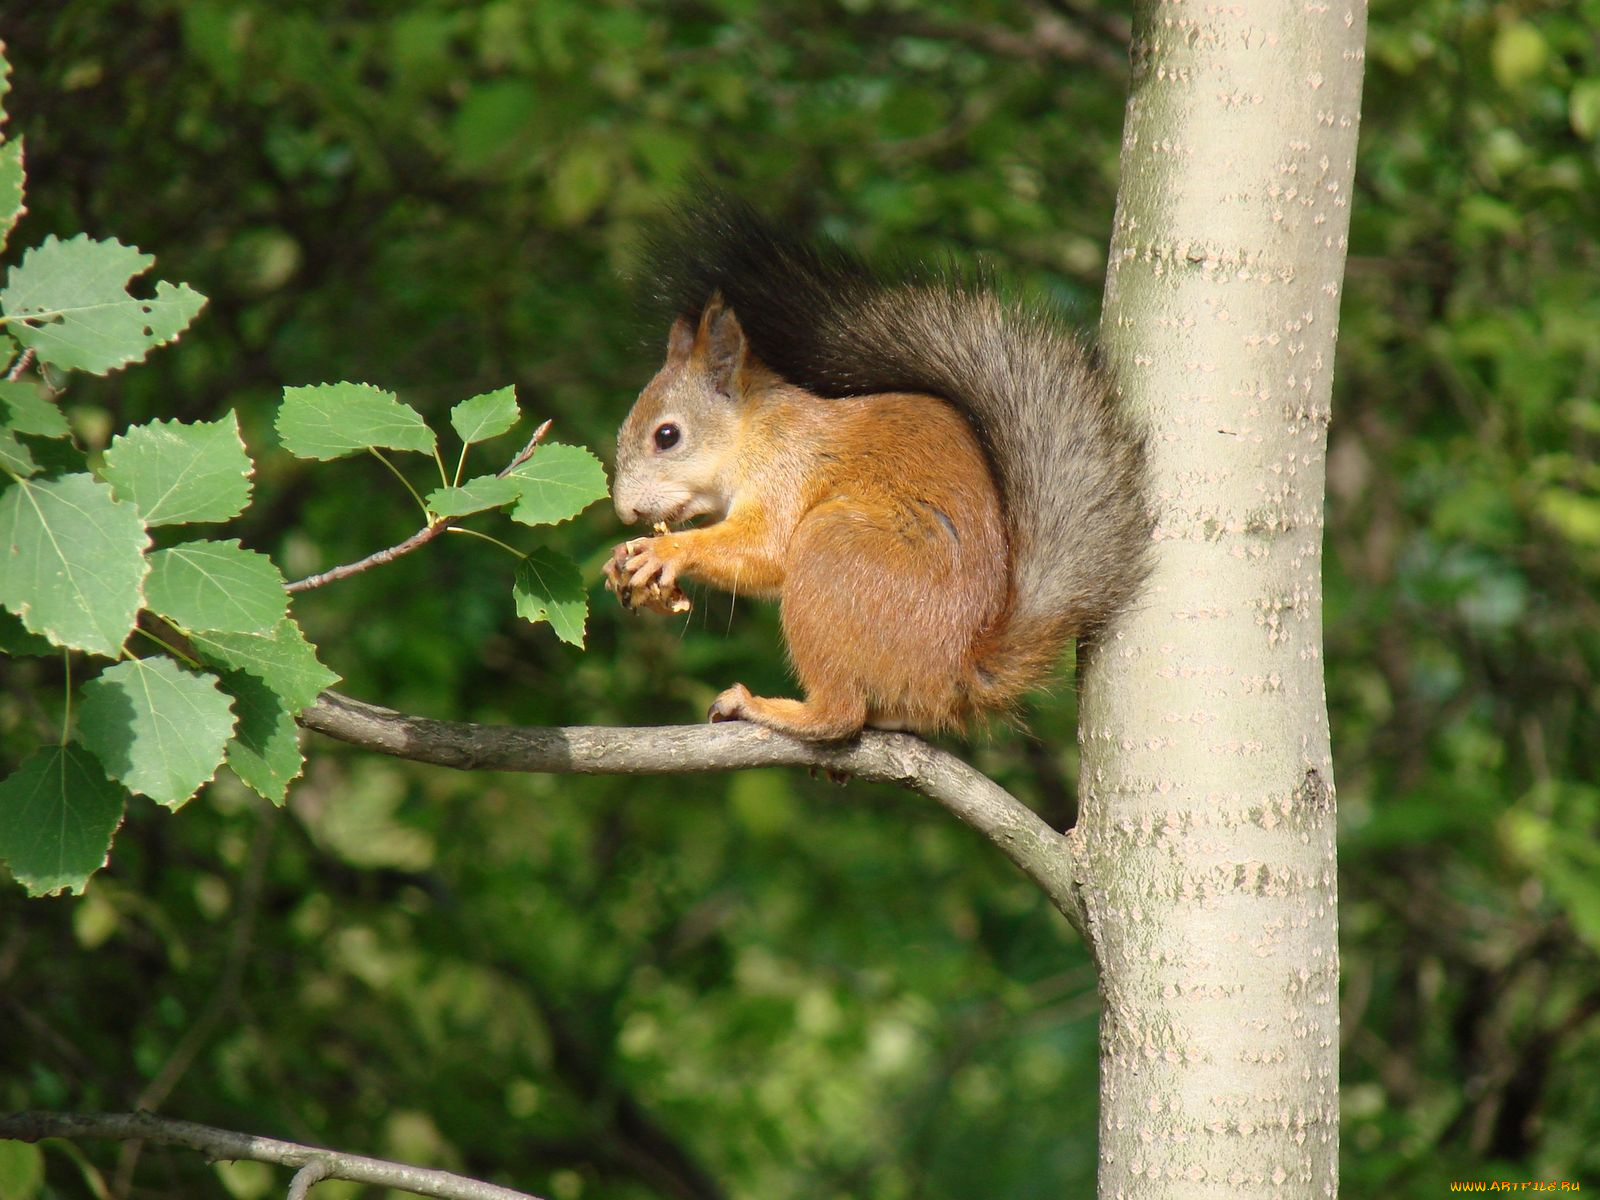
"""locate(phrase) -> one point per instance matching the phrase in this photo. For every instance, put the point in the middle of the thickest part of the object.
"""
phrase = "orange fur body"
(875, 521)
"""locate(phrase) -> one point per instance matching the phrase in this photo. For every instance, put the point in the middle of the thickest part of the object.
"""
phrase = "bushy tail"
(1070, 466)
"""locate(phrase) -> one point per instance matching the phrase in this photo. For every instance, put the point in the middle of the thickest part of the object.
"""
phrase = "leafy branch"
(95, 552)
(424, 535)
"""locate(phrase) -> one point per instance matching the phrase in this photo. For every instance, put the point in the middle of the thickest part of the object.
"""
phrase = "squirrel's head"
(676, 452)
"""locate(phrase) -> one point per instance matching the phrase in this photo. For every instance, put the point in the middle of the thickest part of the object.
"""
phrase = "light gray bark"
(1205, 844)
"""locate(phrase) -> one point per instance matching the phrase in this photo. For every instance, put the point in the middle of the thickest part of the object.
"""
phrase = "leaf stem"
(461, 465)
(485, 537)
(406, 483)
(526, 452)
(187, 659)
(66, 691)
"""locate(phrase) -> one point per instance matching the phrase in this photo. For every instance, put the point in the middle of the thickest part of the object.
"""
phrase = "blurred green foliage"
(760, 985)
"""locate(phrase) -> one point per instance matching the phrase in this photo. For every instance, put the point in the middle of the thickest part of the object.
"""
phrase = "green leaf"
(549, 587)
(216, 585)
(21, 1170)
(330, 420)
(24, 410)
(14, 456)
(155, 727)
(74, 561)
(1583, 108)
(58, 812)
(582, 179)
(1519, 53)
(15, 639)
(70, 302)
(485, 416)
(177, 473)
(493, 119)
(11, 188)
(556, 483)
(57, 456)
(476, 495)
(1576, 517)
(265, 750)
(282, 659)
(11, 174)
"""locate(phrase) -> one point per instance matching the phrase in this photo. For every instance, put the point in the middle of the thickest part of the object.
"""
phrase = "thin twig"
(1043, 854)
(418, 539)
(224, 994)
(526, 452)
(306, 1178)
(226, 1144)
(376, 559)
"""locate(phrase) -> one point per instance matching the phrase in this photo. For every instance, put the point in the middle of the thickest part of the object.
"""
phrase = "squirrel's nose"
(626, 511)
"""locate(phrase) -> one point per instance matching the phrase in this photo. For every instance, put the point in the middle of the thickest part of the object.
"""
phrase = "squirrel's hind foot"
(810, 720)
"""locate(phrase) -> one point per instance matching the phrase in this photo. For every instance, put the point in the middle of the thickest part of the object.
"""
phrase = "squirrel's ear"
(720, 339)
(680, 340)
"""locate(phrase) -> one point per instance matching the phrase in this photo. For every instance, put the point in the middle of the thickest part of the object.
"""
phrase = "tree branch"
(225, 1144)
(1041, 852)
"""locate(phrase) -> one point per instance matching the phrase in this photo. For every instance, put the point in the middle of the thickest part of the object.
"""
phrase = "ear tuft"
(680, 340)
(720, 340)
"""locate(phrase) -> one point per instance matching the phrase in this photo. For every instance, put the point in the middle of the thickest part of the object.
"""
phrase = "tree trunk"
(1205, 847)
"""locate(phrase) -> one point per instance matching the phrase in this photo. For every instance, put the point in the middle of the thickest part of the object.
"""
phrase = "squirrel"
(933, 482)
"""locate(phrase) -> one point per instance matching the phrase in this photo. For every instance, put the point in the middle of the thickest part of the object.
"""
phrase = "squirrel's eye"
(667, 436)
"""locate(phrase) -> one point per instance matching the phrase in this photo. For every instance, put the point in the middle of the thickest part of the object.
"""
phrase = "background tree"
(764, 986)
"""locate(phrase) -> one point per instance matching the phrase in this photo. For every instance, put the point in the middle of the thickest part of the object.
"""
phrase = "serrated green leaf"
(330, 420)
(15, 457)
(282, 659)
(549, 587)
(58, 813)
(57, 456)
(178, 473)
(16, 640)
(12, 176)
(265, 750)
(475, 495)
(157, 729)
(11, 172)
(24, 410)
(216, 585)
(558, 482)
(74, 561)
(485, 416)
(69, 301)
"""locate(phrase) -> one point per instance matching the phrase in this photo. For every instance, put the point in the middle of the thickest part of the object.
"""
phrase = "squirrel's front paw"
(642, 578)
(729, 706)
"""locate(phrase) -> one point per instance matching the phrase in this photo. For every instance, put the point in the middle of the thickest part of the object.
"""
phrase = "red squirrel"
(933, 483)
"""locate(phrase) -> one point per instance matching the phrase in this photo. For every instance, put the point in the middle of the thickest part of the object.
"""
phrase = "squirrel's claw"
(642, 579)
(729, 706)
